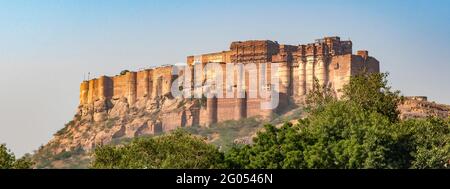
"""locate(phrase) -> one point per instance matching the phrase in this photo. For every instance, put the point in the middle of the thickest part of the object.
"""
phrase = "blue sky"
(47, 46)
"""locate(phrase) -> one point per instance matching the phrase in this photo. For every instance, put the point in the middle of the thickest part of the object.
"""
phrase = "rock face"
(420, 107)
(108, 120)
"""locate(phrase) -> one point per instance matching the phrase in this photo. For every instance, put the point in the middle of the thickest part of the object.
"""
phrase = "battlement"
(261, 51)
(149, 83)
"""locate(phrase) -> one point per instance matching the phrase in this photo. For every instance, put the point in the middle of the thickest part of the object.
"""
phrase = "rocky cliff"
(109, 121)
(116, 121)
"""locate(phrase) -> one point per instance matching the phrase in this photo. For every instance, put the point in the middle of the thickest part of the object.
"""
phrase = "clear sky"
(47, 46)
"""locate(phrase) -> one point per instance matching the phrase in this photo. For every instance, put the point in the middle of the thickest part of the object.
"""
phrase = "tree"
(24, 162)
(343, 135)
(428, 142)
(319, 96)
(274, 148)
(361, 130)
(372, 93)
(124, 72)
(8, 160)
(178, 149)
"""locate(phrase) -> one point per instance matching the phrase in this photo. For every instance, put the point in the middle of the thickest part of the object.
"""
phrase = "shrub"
(175, 150)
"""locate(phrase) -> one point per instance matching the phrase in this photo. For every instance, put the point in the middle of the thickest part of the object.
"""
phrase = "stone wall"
(329, 60)
(132, 85)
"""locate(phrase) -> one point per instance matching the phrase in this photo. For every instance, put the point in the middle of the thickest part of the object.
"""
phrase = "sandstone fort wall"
(329, 60)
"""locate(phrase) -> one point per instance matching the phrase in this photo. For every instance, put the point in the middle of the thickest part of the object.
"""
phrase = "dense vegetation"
(76, 158)
(344, 135)
(362, 130)
(175, 150)
(8, 160)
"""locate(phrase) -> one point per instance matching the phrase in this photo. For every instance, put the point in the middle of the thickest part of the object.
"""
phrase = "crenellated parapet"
(262, 51)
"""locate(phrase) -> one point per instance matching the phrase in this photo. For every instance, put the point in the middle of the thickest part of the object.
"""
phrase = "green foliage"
(175, 150)
(372, 93)
(360, 131)
(224, 134)
(123, 72)
(45, 157)
(24, 162)
(63, 155)
(319, 96)
(64, 129)
(8, 160)
(429, 142)
(110, 122)
(269, 151)
(346, 136)
(341, 136)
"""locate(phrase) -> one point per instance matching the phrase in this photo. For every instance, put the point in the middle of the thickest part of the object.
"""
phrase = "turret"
(131, 93)
(102, 87)
(91, 91)
(84, 89)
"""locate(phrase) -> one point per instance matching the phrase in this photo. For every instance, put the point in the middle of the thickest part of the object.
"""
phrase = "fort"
(330, 61)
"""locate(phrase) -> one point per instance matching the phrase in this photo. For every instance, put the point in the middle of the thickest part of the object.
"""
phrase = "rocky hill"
(420, 107)
(116, 122)
(105, 122)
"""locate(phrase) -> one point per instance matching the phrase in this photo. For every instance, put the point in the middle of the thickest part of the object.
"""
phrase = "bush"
(360, 131)
(8, 160)
(124, 72)
(64, 129)
(345, 136)
(341, 136)
(428, 142)
(372, 93)
(175, 150)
